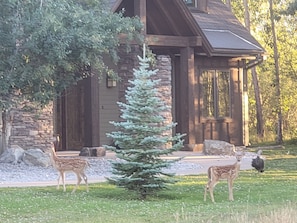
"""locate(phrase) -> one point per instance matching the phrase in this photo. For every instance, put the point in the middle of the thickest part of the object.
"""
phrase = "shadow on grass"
(173, 192)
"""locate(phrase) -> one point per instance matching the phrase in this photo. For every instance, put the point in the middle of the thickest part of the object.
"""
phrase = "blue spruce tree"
(140, 140)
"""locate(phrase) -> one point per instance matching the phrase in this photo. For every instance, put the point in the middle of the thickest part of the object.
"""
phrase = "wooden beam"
(140, 10)
(116, 5)
(174, 41)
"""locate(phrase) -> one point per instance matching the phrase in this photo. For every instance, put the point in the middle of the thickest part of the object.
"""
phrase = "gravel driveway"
(193, 163)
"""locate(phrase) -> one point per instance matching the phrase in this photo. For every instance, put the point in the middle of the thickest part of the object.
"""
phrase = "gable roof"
(163, 17)
(223, 32)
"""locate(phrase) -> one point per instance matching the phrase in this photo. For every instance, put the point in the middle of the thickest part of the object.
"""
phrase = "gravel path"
(22, 172)
(24, 175)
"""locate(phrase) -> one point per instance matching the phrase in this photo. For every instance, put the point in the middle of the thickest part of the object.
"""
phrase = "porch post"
(187, 93)
(245, 108)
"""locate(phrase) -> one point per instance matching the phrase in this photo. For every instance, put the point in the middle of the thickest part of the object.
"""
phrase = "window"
(216, 93)
(190, 2)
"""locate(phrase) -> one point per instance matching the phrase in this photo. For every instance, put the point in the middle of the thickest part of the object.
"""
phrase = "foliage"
(287, 44)
(292, 8)
(142, 137)
(268, 197)
(48, 45)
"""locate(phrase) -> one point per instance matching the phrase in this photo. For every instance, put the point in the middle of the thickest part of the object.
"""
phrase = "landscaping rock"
(14, 155)
(85, 152)
(217, 147)
(100, 151)
(36, 157)
(93, 151)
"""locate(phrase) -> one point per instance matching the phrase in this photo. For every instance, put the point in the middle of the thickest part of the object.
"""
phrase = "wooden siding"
(108, 110)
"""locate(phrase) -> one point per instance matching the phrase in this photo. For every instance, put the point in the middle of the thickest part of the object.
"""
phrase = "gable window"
(190, 2)
(216, 93)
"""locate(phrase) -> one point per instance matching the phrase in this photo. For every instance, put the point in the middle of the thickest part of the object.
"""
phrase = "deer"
(227, 172)
(64, 165)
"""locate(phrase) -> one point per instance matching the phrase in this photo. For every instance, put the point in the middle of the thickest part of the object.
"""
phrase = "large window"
(216, 93)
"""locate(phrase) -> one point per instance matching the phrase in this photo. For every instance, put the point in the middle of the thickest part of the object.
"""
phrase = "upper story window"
(216, 93)
(199, 5)
(190, 2)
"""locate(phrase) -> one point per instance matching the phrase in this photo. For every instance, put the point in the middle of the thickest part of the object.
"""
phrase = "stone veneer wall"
(127, 62)
(163, 64)
(32, 129)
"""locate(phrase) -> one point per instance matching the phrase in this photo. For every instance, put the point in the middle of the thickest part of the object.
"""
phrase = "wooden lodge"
(204, 53)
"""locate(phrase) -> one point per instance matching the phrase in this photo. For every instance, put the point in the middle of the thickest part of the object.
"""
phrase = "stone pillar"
(128, 61)
(32, 128)
(165, 88)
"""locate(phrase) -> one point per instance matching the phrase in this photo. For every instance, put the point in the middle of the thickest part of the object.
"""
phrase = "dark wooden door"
(69, 118)
(74, 114)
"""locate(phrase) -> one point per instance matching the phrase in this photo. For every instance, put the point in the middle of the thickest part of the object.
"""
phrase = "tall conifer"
(140, 137)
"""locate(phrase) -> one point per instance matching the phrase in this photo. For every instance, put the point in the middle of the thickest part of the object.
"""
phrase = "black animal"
(258, 163)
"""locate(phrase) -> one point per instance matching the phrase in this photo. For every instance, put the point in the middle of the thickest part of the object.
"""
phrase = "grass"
(268, 197)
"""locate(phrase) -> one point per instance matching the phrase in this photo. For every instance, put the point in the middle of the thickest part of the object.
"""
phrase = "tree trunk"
(246, 15)
(1, 135)
(257, 92)
(259, 110)
(6, 125)
(277, 76)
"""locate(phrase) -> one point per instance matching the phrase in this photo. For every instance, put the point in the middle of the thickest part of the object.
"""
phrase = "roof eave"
(252, 57)
(236, 52)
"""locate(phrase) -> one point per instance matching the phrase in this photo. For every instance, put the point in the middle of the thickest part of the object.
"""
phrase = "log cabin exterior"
(207, 53)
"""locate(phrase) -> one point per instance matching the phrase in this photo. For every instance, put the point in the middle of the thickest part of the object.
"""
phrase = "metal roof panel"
(225, 39)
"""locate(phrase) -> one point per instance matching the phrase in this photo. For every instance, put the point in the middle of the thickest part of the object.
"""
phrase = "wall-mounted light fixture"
(110, 82)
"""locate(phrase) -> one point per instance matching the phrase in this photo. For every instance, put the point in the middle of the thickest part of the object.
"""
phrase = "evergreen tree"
(140, 140)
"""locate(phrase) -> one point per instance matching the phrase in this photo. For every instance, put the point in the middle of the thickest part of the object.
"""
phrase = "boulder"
(85, 152)
(36, 157)
(93, 151)
(14, 155)
(99, 151)
(217, 147)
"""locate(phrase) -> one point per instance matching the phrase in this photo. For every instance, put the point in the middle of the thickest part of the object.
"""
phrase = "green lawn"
(268, 197)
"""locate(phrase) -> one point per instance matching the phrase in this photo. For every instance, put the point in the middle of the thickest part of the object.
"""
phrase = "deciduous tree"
(48, 45)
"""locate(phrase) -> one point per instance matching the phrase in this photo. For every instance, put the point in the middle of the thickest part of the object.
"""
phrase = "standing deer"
(75, 165)
(228, 172)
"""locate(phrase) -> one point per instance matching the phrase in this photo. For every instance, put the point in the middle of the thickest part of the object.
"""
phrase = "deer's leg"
(77, 183)
(59, 177)
(210, 188)
(58, 184)
(230, 185)
(205, 190)
(83, 175)
(63, 181)
(211, 185)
